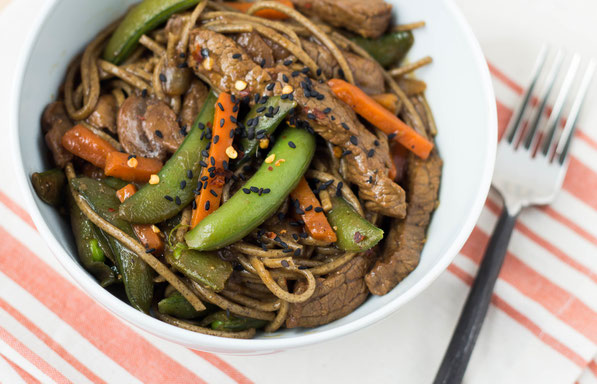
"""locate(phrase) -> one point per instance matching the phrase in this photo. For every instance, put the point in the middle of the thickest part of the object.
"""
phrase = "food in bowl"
(232, 167)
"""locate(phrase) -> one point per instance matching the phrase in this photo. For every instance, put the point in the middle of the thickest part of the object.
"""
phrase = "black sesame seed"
(391, 136)
(318, 71)
(270, 86)
(297, 252)
(237, 56)
(177, 200)
(345, 153)
(345, 126)
(371, 153)
(194, 204)
(144, 92)
(207, 205)
(284, 96)
(131, 157)
(320, 97)
(285, 263)
(303, 267)
(189, 174)
(220, 106)
(234, 109)
(183, 184)
(266, 190)
(204, 153)
(376, 143)
(222, 122)
(203, 164)
(182, 55)
(291, 144)
(225, 165)
(201, 126)
(162, 78)
(205, 52)
(354, 140)
(246, 190)
(370, 181)
(262, 63)
(254, 189)
(333, 118)
(339, 189)
(183, 65)
(150, 250)
(340, 73)
(204, 178)
(318, 209)
(305, 70)
(169, 198)
(287, 62)
(304, 235)
(260, 109)
(327, 110)
(295, 73)
(310, 207)
(232, 133)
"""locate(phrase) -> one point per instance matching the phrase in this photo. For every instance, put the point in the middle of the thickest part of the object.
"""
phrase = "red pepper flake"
(111, 210)
(270, 235)
(318, 113)
(358, 237)
(308, 5)
(270, 168)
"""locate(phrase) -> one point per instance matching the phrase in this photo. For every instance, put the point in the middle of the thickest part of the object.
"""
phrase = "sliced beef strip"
(256, 47)
(369, 18)
(192, 102)
(104, 113)
(55, 122)
(406, 238)
(367, 74)
(367, 164)
(335, 296)
(148, 127)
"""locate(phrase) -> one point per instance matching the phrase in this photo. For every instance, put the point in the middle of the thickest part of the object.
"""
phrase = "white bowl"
(459, 92)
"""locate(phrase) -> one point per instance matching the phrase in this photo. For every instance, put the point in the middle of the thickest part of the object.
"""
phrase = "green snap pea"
(206, 268)
(136, 274)
(49, 185)
(389, 49)
(355, 234)
(221, 321)
(156, 203)
(267, 121)
(114, 182)
(176, 305)
(247, 209)
(140, 19)
(84, 232)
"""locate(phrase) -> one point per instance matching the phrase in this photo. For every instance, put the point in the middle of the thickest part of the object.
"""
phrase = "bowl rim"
(220, 344)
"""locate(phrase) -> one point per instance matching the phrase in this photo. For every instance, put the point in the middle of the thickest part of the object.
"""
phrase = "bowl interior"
(460, 95)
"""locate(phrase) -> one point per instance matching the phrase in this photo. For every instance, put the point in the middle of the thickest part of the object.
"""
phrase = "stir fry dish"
(234, 167)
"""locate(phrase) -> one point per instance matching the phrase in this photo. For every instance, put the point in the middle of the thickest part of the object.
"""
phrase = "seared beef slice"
(406, 238)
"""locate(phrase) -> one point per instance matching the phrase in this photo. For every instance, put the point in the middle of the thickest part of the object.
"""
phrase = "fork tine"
(548, 87)
(556, 113)
(568, 131)
(515, 123)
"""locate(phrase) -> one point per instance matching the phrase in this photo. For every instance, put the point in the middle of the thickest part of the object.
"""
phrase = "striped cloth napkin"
(541, 328)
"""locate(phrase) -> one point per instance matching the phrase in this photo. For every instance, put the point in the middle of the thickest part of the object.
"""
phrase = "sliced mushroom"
(160, 125)
(104, 114)
(192, 103)
(55, 122)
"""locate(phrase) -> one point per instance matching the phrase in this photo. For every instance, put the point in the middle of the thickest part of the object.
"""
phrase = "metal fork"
(531, 163)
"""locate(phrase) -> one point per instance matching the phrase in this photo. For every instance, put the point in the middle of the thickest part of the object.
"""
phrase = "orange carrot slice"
(315, 222)
(85, 144)
(381, 117)
(131, 168)
(271, 14)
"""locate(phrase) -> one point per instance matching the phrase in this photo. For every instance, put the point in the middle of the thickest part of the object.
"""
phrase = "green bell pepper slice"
(140, 19)
(206, 268)
(389, 49)
(355, 233)
(267, 121)
(136, 274)
(49, 185)
(156, 203)
(247, 209)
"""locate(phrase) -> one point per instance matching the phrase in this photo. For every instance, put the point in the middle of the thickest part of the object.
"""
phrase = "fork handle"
(453, 366)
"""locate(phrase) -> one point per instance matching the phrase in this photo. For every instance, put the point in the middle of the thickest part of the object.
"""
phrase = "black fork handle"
(453, 366)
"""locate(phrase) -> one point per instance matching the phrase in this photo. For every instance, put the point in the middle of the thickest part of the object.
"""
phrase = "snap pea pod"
(91, 248)
(140, 19)
(136, 274)
(158, 202)
(270, 185)
(49, 185)
(206, 268)
(389, 49)
(176, 305)
(269, 115)
(355, 234)
(221, 321)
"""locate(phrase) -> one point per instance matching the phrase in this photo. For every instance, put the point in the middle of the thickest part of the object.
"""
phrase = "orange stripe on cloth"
(561, 303)
(524, 321)
(27, 378)
(16, 209)
(64, 354)
(592, 367)
(548, 246)
(223, 366)
(115, 339)
(569, 223)
(33, 358)
(505, 79)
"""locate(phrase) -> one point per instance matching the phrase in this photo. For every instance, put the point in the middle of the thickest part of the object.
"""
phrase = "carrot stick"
(271, 14)
(381, 118)
(145, 232)
(315, 222)
(85, 144)
(131, 168)
(209, 198)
